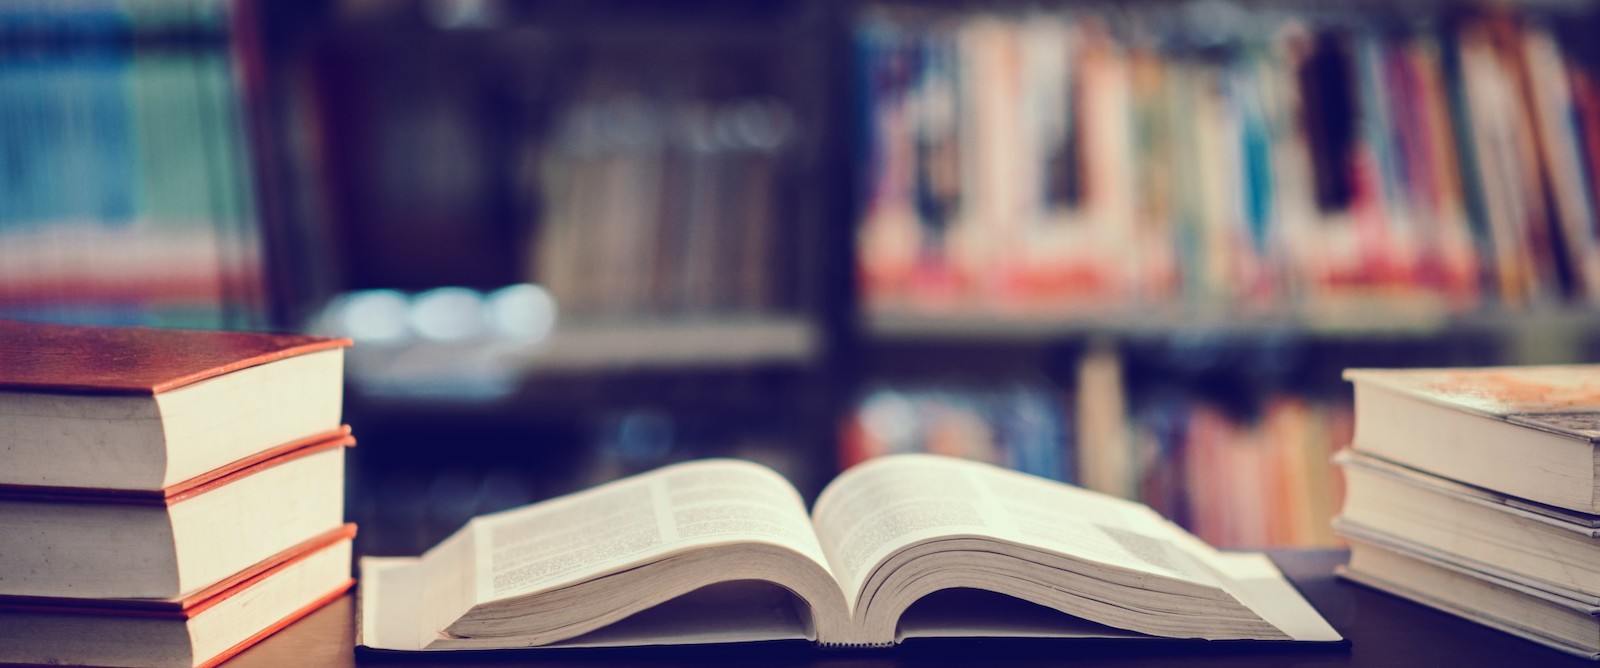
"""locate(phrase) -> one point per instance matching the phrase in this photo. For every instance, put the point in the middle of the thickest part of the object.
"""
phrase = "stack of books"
(167, 497)
(1474, 491)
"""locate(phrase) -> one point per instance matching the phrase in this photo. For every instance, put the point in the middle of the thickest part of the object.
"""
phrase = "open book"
(906, 546)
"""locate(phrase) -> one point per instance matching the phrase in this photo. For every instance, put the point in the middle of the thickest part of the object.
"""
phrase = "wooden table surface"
(1382, 630)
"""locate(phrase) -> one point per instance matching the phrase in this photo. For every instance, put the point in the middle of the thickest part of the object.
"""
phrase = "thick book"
(1556, 621)
(145, 409)
(203, 629)
(1528, 432)
(1542, 546)
(723, 551)
(77, 543)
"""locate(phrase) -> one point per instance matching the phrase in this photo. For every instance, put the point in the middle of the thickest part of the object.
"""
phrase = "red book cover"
(188, 606)
(36, 357)
(182, 610)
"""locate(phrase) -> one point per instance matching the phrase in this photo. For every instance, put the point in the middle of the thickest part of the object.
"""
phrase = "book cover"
(37, 357)
(139, 543)
(1563, 400)
(200, 630)
(1571, 520)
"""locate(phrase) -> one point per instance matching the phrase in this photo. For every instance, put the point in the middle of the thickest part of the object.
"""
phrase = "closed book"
(1552, 620)
(1526, 432)
(202, 629)
(145, 409)
(1545, 547)
(83, 543)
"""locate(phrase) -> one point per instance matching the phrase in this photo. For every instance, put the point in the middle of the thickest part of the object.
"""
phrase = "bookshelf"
(758, 219)
(1169, 310)
(1184, 219)
(1380, 321)
(127, 197)
(653, 168)
(489, 368)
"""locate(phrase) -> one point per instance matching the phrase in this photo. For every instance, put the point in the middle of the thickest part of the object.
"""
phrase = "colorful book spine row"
(1026, 427)
(1052, 161)
(1263, 480)
(1260, 481)
(126, 196)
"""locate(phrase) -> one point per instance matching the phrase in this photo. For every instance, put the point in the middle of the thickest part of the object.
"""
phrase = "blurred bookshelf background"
(1125, 245)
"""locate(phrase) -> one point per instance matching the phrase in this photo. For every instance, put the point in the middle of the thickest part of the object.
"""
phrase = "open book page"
(949, 614)
(679, 507)
(888, 504)
(731, 612)
(632, 551)
(734, 612)
(1256, 582)
(611, 527)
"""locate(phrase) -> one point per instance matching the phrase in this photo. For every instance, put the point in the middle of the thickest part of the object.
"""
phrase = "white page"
(697, 504)
(731, 612)
(389, 612)
(611, 527)
(890, 503)
(948, 614)
(389, 603)
(1258, 583)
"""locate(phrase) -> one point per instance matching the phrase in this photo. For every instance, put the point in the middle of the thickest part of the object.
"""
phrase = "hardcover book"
(723, 551)
(145, 409)
(1541, 546)
(1553, 620)
(1528, 432)
(81, 543)
(201, 629)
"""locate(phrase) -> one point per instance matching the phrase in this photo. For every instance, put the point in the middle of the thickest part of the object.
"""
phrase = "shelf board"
(1403, 321)
(698, 343)
(487, 369)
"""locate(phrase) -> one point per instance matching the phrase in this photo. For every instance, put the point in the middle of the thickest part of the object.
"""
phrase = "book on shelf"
(146, 409)
(80, 543)
(129, 199)
(1527, 432)
(656, 204)
(1553, 620)
(1541, 546)
(1105, 457)
(204, 628)
(1259, 482)
(1024, 426)
(710, 551)
(1038, 161)
(1251, 479)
